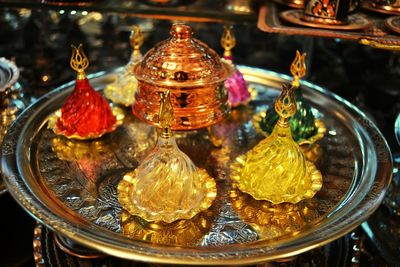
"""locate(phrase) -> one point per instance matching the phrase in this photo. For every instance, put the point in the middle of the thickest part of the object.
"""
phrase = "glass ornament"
(276, 169)
(122, 91)
(85, 114)
(305, 128)
(166, 186)
(238, 92)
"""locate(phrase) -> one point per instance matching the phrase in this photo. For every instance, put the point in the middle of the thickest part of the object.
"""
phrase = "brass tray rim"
(371, 6)
(389, 24)
(227, 254)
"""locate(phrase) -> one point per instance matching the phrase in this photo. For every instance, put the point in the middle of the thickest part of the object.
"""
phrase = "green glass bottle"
(303, 123)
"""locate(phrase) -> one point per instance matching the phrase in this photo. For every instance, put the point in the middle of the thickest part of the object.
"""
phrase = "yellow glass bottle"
(276, 168)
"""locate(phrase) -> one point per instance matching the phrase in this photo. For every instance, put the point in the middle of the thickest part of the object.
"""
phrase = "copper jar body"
(192, 72)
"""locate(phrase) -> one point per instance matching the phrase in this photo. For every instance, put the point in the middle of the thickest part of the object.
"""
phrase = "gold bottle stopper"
(136, 39)
(228, 41)
(79, 61)
(166, 114)
(298, 68)
(167, 186)
(285, 105)
(238, 90)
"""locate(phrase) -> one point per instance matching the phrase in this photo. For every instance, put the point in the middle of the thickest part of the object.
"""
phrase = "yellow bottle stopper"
(122, 90)
(166, 186)
(276, 168)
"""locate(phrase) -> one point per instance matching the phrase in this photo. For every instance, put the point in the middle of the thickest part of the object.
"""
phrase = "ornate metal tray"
(47, 253)
(10, 100)
(71, 186)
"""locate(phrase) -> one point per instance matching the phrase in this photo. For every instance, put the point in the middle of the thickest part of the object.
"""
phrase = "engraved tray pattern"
(76, 195)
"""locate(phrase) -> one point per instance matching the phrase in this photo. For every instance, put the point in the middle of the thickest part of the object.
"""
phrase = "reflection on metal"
(11, 100)
(238, 90)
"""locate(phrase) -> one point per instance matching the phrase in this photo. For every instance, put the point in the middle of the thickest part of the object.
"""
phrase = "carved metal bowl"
(70, 186)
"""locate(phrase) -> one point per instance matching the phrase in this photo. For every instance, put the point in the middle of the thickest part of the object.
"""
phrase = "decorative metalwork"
(376, 44)
(342, 252)
(228, 41)
(12, 101)
(136, 40)
(193, 72)
(79, 61)
(356, 163)
(355, 22)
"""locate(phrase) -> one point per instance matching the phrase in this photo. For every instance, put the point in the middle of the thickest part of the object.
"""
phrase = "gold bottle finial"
(298, 68)
(285, 105)
(166, 114)
(228, 41)
(79, 62)
(136, 39)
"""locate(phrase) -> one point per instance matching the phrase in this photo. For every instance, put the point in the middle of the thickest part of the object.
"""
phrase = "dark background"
(39, 42)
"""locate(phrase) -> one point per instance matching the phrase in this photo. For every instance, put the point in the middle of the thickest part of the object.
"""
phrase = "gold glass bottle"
(122, 91)
(166, 186)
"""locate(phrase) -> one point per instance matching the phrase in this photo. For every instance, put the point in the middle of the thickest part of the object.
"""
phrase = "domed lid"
(182, 61)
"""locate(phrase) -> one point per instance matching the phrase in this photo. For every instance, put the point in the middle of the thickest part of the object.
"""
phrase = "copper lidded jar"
(194, 74)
